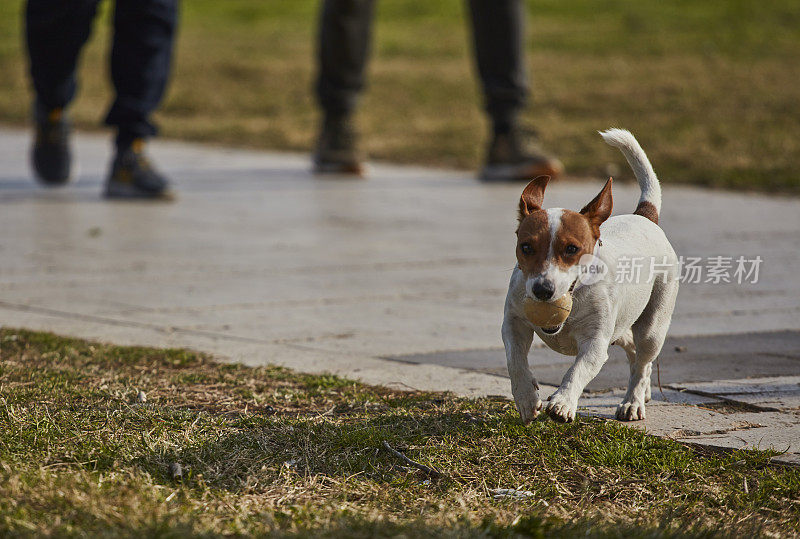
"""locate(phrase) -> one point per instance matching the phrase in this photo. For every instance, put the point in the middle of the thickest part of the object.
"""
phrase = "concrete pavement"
(381, 279)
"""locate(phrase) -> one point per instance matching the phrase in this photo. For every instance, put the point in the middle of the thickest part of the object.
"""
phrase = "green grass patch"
(708, 87)
(269, 451)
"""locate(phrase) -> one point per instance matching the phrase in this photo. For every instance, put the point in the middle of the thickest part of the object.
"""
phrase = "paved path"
(260, 262)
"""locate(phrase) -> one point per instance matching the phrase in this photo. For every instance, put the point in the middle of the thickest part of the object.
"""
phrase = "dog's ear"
(599, 209)
(532, 196)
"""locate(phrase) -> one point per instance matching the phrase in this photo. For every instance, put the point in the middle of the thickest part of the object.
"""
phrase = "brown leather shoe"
(511, 158)
(336, 151)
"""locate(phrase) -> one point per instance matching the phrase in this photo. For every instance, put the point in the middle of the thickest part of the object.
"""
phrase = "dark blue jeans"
(140, 56)
(498, 39)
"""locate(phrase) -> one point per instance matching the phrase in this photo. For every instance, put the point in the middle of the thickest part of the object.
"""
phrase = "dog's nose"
(543, 290)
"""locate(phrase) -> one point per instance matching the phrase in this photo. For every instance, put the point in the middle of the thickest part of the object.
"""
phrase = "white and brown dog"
(633, 313)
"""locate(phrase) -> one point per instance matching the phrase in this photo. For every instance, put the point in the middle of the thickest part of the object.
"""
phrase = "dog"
(634, 315)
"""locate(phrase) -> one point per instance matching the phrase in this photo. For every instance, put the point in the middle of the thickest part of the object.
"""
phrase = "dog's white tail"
(650, 201)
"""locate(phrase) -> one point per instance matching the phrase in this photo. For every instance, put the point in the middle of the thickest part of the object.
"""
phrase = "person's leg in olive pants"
(499, 38)
(498, 30)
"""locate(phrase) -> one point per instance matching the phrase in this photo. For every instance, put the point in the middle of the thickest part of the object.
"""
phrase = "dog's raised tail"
(650, 201)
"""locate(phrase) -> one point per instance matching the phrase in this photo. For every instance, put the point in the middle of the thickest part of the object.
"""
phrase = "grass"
(267, 451)
(709, 87)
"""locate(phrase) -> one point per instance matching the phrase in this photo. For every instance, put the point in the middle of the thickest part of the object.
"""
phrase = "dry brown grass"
(268, 451)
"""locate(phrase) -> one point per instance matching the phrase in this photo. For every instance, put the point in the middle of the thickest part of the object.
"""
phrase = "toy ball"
(548, 314)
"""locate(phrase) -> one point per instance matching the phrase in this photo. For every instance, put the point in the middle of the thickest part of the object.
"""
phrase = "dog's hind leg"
(626, 343)
(648, 332)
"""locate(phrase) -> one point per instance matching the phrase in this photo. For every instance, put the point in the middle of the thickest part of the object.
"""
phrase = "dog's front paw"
(526, 397)
(630, 410)
(561, 408)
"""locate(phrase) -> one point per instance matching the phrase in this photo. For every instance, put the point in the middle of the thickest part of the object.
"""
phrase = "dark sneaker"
(512, 158)
(336, 151)
(133, 177)
(51, 156)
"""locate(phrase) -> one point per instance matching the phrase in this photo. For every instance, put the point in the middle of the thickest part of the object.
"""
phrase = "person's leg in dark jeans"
(343, 50)
(499, 39)
(55, 32)
(141, 58)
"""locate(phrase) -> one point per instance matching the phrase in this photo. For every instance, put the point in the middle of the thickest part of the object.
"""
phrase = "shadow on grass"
(262, 448)
(495, 448)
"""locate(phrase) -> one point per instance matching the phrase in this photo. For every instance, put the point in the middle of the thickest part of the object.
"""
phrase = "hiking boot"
(512, 158)
(51, 156)
(336, 151)
(133, 177)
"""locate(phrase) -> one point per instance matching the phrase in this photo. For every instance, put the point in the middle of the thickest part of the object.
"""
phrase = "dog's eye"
(571, 249)
(526, 248)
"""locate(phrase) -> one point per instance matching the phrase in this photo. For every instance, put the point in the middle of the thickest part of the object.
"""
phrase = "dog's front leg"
(517, 338)
(592, 354)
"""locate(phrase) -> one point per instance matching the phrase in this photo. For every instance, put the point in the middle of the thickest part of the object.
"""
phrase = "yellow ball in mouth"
(548, 314)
